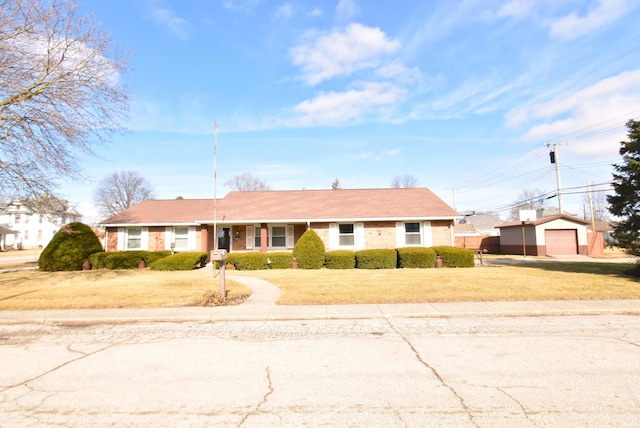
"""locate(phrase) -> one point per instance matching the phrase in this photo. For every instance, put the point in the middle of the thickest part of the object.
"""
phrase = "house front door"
(224, 238)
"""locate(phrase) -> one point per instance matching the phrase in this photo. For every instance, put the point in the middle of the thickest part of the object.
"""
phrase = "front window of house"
(181, 237)
(257, 239)
(18, 218)
(346, 235)
(134, 239)
(412, 233)
(278, 236)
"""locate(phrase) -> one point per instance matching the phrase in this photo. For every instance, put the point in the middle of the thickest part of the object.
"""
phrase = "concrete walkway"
(262, 306)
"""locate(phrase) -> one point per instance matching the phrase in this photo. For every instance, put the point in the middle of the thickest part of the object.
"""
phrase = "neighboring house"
(26, 228)
(546, 236)
(274, 221)
(479, 232)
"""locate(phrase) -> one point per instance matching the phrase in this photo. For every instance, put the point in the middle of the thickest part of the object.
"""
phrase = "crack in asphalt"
(436, 374)
(264, 398)
(59, 366)
(524, 411)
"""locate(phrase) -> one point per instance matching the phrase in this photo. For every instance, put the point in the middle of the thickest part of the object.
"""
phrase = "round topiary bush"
(69, 248)
(309, 251)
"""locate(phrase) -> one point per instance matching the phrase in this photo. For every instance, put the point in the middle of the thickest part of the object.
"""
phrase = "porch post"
(263, 237)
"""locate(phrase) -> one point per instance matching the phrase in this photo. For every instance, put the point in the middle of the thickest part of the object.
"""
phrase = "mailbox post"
(220, 256)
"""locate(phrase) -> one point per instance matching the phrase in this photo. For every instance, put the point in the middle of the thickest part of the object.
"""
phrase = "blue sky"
(462, 95)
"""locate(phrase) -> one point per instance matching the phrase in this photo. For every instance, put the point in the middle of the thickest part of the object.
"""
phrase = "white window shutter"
(427, 235)
(121, 238)
(334, 236)
(250, 230)
(359, 236)
(400, 234)
(191, 238)
(144, 238)
(168, 237)
(290, 231)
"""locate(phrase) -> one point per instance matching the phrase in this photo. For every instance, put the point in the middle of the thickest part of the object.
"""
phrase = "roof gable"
(543, 220)
(296, 205)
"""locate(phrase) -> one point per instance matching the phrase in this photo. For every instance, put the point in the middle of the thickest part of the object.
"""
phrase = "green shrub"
(340, 259)
(280, 260)
(180, 261)
(376, 259)
(69, 248)
(124, 259)
(97, 260)
(309, 251)
(248, 261)
(455, 256)
(152, 256)
(416, 257)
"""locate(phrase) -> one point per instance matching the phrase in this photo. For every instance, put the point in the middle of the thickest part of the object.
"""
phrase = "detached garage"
(547, 236)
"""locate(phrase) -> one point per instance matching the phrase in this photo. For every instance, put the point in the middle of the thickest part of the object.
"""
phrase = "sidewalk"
(261, 307)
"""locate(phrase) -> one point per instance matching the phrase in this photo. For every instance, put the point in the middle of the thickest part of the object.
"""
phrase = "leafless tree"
(246, 182)
(121, 190)
(406, 181)
(336, 184)
(60, 93)
(600, 206)
(528, 199)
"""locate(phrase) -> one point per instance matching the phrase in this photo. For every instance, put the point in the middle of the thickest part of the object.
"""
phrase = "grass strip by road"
(535, 281)
(109, 289)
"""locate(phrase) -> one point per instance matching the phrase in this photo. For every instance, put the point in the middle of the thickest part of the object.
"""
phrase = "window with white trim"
(278, 236)
(412, 235)
(181, 238)
(134, 238)
(346, 235)
(257, 239)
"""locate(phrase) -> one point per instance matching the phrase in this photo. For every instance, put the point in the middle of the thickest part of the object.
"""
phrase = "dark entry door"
(224, 238)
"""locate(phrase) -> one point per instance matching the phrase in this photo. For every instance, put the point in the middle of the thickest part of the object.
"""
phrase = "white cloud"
(338, 108)
(242, 5)
(574, 26)
(342, 52)
(592, 117)
(285, 11)
(515, 8)
(164, 16)
(316, 12)
(346, 9)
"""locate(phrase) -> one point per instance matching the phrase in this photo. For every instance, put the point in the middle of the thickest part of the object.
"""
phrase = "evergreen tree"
(625, 203)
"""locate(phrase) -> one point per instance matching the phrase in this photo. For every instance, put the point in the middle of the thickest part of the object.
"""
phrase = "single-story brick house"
(274, 221)
(547, 236)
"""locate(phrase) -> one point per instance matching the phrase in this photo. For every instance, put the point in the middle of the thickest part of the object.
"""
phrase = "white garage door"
(561, 242)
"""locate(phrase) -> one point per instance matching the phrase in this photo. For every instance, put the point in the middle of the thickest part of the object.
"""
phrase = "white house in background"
(23, 228)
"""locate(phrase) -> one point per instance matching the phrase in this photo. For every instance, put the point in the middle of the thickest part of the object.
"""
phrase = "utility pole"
(215, 185)
(593, 214)
(553, 155)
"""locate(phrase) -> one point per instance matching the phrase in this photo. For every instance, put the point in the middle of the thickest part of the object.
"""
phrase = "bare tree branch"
(119, 191)
(60, 93)
(406, 181)
(246, 182)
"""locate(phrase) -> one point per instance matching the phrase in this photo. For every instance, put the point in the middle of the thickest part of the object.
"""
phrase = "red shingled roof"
(292, 205)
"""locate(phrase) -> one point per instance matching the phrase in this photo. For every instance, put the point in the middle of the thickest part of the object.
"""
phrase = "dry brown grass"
(109, 289)
(535, 281)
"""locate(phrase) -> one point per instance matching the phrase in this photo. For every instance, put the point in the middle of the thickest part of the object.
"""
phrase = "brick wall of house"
(441, 232)
(380, 234)
(112, 238)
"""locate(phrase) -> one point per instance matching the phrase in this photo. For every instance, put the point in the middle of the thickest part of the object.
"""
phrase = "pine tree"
(625, 203)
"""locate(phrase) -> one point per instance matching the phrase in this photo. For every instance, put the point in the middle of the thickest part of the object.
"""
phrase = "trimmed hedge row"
(280, 260)
(340, 259)
(408, 257)
(376, 259)
(180, 261)
(455, 257)
(131, 260)
(248, 261)
(416, 257)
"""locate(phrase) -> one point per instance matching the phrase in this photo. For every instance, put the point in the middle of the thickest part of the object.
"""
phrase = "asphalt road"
(405, 372)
